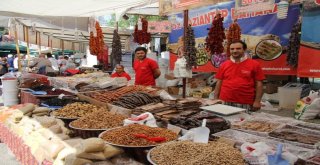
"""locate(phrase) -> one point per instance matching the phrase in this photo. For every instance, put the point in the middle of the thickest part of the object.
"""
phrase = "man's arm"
(156, 73)
(259, 91)
(217, 89)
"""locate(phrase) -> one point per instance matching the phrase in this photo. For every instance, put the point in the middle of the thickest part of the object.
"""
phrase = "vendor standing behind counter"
(120, 72)
(147, 70)
(240, 80)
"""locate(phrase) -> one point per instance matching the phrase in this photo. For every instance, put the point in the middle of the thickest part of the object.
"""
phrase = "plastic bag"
(304, 111)
(143, 119)
(165, 95)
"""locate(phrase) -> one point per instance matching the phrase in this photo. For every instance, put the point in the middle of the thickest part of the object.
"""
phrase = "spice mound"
(189, 153)
(77, 110)
(138, 135)
(99, 120)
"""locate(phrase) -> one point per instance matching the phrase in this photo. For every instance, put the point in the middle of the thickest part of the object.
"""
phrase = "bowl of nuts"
(137, 136)
(94, 123)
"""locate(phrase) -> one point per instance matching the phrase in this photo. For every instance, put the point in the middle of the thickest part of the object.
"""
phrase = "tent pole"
(185, 26)
(17, 47)
(28, 50)
(40, 42)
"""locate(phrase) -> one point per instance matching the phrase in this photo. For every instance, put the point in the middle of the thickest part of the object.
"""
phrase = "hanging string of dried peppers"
(142, 36)
(216, 36)
(233, 34)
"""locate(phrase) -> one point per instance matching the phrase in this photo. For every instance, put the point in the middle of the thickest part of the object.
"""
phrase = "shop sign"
(265, 35)
(253, 5)
(167, 7)
(309, 53)
(159, 26)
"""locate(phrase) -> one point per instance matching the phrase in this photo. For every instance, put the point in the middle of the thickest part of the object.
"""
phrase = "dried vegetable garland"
(96, 43)
(234, 34)
(216, 36)
(190, 51)
(142, 36)
(116, 47)
(294, 44)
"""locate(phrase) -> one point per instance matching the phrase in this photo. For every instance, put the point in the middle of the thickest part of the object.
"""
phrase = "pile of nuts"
(190, 153)
(127, 135)
(99, 120)
(77, 110)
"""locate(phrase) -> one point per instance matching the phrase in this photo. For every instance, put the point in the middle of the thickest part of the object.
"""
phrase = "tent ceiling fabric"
(79, 8)
(151, 9)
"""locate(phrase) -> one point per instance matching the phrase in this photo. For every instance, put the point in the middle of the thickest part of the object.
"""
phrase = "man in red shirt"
(240, 79)
(120, 72)
(147, 70)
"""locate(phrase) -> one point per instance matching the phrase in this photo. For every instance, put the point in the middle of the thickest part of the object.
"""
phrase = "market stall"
(98, 119)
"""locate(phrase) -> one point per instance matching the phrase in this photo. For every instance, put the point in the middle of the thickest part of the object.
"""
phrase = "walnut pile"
(77, 110)
(99, 120)
(189, 153)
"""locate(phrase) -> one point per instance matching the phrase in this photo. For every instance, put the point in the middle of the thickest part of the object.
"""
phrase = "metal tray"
(223, 109)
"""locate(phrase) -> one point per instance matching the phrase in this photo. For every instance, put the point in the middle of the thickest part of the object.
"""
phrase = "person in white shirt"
(84, 61)
(15, 63)
(53, 61)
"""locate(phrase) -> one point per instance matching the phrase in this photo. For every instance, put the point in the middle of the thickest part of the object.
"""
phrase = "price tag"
(174, 128)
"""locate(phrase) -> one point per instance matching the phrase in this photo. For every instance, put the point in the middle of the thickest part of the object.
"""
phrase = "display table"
(18, 148)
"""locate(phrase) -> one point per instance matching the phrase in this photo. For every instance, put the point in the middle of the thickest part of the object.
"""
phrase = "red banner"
(309, 62)
(275, 67)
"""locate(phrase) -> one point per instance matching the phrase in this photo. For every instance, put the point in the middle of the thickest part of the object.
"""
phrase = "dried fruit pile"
(116, 48)
(109, 96)
(135, 135)
(77, 110)
(216, 36)
(234, 34)
(99, 120)
(294, 45)
(189, 153)
(190, 51)
(142, 36)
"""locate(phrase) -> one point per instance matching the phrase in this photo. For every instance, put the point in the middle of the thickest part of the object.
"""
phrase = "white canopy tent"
(79, 8)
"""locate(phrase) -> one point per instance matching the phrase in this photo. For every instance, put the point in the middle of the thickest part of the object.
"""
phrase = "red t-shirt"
(238, 81)
(123, 74)
(144, 71)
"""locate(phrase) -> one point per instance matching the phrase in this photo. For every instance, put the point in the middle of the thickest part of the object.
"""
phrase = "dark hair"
(66, 57)
(141, 48)
(120, 66)
(49, 55)
(244, 45)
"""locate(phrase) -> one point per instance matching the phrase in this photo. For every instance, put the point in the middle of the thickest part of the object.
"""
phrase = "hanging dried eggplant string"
(190, 52)
(142, 36)
(216, 36)
(234, 34)
(294, 44)
(116, 48)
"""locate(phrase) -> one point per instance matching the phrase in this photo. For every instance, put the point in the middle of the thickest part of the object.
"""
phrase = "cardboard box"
(173, 90)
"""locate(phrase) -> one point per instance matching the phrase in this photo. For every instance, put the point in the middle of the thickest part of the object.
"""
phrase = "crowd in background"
(43, 64)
